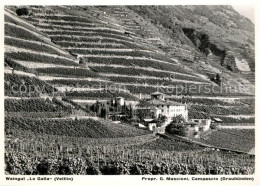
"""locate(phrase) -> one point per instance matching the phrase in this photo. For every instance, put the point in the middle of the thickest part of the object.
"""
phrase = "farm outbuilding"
(160, 130)
(141, 126)
(152, 126)
(194, 126)
(120, 101)
(204, 124)
(217, 120)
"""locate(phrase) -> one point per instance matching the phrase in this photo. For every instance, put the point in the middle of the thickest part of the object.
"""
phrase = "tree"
(103, 113)
(178, 119)
(144, 103)
(143, 113)
(177, 129)
(160, 120)
(22, 11)
(83, 61)
(87, 107)
(99, 108)
(131, 112)
(177, 126)
(218, 79)
(112, 102)
(213, 126)
(93, 107)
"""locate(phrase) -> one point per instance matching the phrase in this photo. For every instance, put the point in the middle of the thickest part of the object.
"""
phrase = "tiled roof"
(156, 108)
(157, 93)
(192, 123)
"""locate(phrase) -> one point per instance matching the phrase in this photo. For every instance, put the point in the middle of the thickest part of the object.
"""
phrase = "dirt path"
(89, 43)
(142, 68)
(240, 116)
(35, 65)
(103, 49)
(50, 78)
(129, 57)
(9, 71)
(150, 77)
(76, 29)
(236, 127)
(225, 98)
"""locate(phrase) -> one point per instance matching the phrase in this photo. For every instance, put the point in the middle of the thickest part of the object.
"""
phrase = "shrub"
(22, 11)
(213, 126)
(177, 129)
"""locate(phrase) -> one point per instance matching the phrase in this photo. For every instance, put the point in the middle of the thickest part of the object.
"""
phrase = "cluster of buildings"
(159, 106)
(157, 113)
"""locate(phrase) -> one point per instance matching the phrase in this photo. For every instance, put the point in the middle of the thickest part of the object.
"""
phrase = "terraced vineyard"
(241, 140)
(36, 58)
(109, 55)
(25, 86)
(58, 58)
(224, 111)
(77, 128)
(125, 161)
(33, 105)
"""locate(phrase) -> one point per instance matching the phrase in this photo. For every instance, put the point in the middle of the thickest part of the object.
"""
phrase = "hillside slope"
(212, 30)
(66, 65)
(137, 49)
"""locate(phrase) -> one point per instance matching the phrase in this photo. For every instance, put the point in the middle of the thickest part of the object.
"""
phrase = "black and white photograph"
(129, 90)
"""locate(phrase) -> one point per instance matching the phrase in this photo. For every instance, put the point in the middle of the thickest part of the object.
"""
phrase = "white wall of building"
(121, 101)
(152, 126)
(174, 110)
(204, 123)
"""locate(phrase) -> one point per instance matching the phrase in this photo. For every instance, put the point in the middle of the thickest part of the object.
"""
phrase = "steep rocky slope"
(212, 29)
